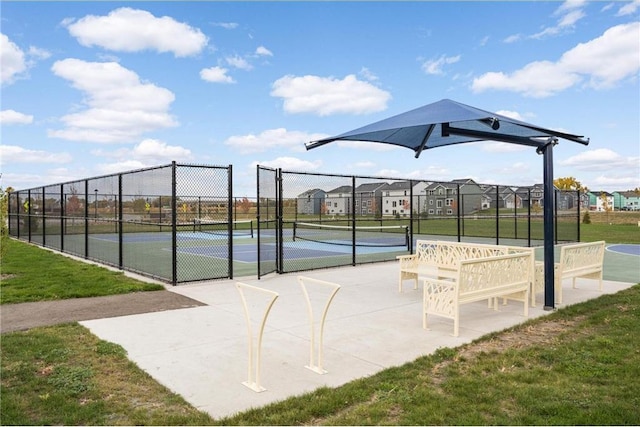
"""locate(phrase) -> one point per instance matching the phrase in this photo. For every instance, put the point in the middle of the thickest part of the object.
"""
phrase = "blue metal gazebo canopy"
(448, 122)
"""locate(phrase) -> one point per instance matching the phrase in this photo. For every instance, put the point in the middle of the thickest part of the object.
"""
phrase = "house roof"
(341, 189)
(370, 187)
(310, 193)
(628, 194)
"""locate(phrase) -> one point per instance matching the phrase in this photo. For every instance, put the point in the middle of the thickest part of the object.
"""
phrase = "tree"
(244, 205)
(569, 183)
(605, 202)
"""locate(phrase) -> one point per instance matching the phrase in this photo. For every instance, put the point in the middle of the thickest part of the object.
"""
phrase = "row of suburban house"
(442, 198)
(616, 201)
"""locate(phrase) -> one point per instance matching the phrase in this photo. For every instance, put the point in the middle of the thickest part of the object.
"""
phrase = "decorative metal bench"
(576, 260)
(478, 279)
(436, 258)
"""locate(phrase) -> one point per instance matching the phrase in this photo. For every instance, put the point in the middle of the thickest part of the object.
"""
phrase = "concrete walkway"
(202, 352)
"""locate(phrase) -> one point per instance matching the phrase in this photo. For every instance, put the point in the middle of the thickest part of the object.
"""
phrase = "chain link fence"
(180, 223)
(326, 220)
(172, 222)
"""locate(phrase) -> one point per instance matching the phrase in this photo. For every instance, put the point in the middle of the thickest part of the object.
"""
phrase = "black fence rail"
(319, 220)
(149, 221)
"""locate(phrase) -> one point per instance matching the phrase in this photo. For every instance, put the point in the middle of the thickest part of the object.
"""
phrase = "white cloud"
(38, 53)
(263, 51)
(609, 58)
(511, 114)
(239, 62)
(155, 151)
(512, 38)
(10, 154)
(616, 182)
(602, 159)
(148, 152)
(290, 163)
(368, 75)
(629, 8)
(120, 106)
(606, 60)
(123, 166)
(363, 165)
(569, 12)
(12, 60)
(11, 117)
(516, 168)
(216, 75)
(226, 25)
(133, 30)
(271, 139)
(435, 66)
(325, 96)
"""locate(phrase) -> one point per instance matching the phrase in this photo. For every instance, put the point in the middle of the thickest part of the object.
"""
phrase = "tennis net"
(372, 236)
(221, 228)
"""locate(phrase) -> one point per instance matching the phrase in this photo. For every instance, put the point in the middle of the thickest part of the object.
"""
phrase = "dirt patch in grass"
(18, 317)
(539, 334)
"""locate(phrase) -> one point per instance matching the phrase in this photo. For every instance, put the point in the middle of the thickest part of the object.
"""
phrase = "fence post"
(279, 221)
(174, 238)
(86, 218)
(353, 220)
(458, 191)
(578, 211)
(62, 217)
(230, 219)
(411, 215)
(44, 217)
(120, 225)
(29, 215)
(497, 214)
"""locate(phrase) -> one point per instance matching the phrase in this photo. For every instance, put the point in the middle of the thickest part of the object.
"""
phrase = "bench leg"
(456, 324)
(600, 280)
(407, 276)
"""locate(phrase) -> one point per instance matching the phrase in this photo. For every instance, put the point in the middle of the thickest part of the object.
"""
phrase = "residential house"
(311, 202)
(566, 200)
(601, 201)
(396, 198)
(626, 200)
(338, 200)
(442, 197)
(502, 197)
(369, 198)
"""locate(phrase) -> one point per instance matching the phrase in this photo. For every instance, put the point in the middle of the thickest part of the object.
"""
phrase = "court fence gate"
(313, 220)
(148, 221)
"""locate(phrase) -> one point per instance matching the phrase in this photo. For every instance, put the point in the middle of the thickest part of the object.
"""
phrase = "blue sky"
(93, 88)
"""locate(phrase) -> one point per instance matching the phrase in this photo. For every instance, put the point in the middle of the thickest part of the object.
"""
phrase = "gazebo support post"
(549, 234)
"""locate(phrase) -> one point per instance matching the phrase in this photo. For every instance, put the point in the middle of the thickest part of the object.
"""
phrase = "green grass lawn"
(578, 365)
(30, 273)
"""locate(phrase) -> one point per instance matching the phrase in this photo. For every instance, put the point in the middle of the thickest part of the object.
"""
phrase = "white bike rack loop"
(253, 382)
(315, 363)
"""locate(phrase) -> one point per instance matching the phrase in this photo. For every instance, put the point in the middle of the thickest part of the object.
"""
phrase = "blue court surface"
(627, 249)
(161, 237)
(297, 250)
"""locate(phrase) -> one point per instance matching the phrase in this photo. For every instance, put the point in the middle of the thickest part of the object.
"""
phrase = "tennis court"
(179, 223)
(626, 249)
